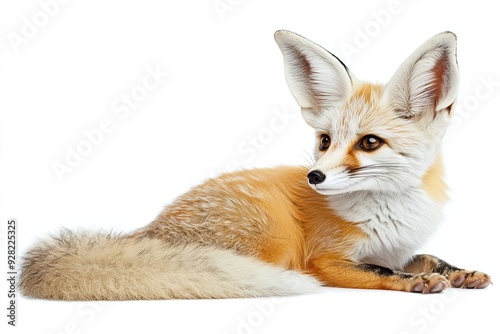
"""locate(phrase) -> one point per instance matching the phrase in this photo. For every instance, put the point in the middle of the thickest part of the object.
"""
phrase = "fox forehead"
(361, 114)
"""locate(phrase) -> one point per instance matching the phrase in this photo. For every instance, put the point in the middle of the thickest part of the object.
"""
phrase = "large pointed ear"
(428, 80)
(316, 78)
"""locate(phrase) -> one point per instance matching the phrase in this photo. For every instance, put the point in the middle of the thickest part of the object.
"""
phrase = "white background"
(225, 84)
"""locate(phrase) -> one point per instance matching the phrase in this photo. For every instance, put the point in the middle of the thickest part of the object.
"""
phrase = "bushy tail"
(81, 266)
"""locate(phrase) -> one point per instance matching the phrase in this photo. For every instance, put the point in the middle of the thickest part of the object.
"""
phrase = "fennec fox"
(354, 219)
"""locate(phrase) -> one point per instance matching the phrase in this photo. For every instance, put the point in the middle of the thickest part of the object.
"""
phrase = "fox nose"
(316, 176)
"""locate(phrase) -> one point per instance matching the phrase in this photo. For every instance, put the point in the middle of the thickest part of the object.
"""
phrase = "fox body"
(354, 219)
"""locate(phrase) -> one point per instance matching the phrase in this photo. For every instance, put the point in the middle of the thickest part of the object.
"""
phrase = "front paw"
(428, 283)
(469, 279)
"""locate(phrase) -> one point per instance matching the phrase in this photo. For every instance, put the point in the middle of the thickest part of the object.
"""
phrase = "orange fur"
(366, 91)
(334, 272)
(295, 221)
(351, 160)
(433, 181)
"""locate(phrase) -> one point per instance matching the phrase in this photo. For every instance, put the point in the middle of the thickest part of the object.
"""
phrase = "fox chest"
(396, 225)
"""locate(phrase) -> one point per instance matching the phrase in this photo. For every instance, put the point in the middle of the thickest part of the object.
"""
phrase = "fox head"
(372, 137)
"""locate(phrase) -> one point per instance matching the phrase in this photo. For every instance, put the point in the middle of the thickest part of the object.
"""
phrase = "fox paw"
(469, 279)
(429, 283)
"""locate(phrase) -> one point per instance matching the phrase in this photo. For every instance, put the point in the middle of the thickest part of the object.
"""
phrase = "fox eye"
(370, 143)
(324, 142)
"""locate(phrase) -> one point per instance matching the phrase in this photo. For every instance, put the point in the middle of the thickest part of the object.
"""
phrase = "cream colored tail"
(112, 267)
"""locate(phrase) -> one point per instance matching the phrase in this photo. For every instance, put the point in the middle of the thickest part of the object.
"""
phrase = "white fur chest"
(396, 224)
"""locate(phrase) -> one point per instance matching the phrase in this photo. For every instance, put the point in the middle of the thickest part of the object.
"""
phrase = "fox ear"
(316, 78)
(428, 80)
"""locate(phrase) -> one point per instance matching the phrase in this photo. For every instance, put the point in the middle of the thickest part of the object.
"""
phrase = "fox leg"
(347, 274)
(459, 278)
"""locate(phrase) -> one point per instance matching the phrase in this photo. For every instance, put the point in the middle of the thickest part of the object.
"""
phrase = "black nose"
(316, 176)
